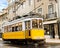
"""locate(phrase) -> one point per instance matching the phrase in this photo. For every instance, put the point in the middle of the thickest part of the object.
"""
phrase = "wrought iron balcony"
(16, 2)
(51, 15)
(19, 1)
(53, 0)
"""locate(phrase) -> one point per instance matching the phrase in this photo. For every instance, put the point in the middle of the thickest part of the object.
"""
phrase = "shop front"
(51, 28)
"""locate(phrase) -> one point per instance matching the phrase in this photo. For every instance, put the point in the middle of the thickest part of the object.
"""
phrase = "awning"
(50, 22)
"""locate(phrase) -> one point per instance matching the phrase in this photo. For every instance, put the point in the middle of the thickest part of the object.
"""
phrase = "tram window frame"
(20, 26)
(40, 25)
(9, 28)
(27, 24)
(37, 22)
(13, 29)
(16, 28)
(5, 29)
(34, 23)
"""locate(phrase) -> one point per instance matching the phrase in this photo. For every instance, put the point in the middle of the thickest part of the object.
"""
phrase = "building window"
(10, 1)
(50, 9)
(22, 4)
(30, 2)
(50, 0)
(13, 0)
(40, 10)
(38, 0)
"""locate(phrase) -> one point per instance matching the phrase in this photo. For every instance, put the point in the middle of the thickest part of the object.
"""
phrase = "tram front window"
(36, 23)
(40, 23)
(27, 25)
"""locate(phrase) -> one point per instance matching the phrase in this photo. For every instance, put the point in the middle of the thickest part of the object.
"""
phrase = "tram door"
(27, 29)
(52, 32)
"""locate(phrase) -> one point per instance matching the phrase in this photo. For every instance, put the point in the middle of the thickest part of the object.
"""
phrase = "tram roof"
(20, 20)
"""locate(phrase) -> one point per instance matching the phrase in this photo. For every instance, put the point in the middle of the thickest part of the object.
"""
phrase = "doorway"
(52, 31)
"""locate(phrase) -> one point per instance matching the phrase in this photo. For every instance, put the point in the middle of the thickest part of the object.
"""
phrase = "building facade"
(3, 20)
(49, 11)
(47, 8)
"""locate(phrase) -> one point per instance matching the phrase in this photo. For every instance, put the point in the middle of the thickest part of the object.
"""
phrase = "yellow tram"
(24, 30)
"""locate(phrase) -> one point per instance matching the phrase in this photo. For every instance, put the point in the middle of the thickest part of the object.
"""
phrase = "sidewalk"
(49, 40)
(0, 38)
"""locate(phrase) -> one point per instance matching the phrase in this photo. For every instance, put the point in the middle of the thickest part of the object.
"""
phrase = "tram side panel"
(13, 35)
(37, 34)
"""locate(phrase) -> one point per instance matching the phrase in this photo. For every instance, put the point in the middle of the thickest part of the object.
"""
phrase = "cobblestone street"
(9, 45)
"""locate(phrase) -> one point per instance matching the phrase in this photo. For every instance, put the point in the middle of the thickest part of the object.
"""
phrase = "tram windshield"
(36, 23)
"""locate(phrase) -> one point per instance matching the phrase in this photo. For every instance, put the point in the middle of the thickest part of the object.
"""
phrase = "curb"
(52, 41)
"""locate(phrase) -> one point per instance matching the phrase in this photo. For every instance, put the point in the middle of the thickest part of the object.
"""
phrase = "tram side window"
(16, 28)
(5, 29)
(40, 23)
(13, 29)
(34, 23)
(20, 27)
(9, 28)
(27, 24)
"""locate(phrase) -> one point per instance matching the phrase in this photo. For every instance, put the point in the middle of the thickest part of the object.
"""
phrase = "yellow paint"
(27, 34)
(37, 34)
(14, 35)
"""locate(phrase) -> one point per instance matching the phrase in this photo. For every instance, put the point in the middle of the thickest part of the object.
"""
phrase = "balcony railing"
(51, 16)
(53, 0)
(19, 1)
(16, 2)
